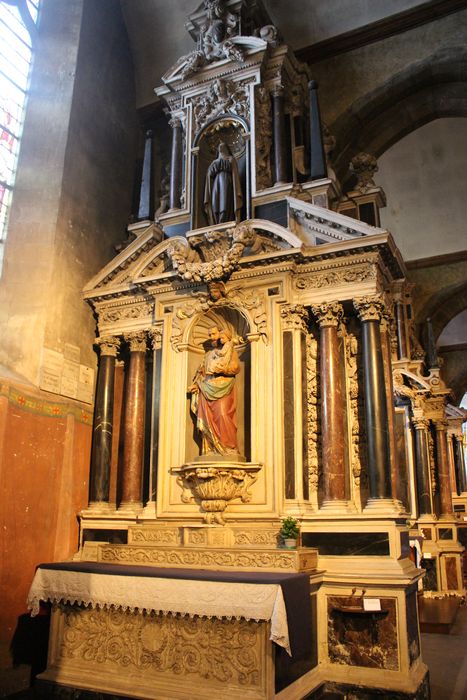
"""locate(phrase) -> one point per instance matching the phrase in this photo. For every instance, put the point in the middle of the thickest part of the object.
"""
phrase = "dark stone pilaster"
(329, 316)
(459, 464)
(422, 466)
(146, 194)
(402, 346)
(133, 436)
(317, 157)
(379, 464)
(444, 478)
(176, 164)
(280, 148)
(101, 452)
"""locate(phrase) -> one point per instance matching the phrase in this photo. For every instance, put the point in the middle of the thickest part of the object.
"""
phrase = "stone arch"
(430, 89)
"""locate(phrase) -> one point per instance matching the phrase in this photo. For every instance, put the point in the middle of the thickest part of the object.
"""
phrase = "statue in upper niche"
(223, 198)
(219, 28)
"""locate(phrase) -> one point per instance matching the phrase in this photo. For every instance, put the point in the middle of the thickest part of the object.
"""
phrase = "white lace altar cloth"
(249, 601)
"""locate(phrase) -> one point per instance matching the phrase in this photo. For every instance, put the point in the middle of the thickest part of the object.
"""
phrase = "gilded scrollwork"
(211, 649)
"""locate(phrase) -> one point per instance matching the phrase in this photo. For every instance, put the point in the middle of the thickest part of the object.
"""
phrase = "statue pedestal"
(215, 483)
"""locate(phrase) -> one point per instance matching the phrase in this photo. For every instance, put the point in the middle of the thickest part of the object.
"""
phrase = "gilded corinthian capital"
(328, 314)
(370, 308)
(109, 345)
(137, 341)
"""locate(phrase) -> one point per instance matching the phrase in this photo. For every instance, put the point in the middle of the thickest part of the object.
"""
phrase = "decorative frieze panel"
(223, 559)
(114, 315)
(221, 97)
(164, 644)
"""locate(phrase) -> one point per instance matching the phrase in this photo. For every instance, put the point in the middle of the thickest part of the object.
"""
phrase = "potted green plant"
(289, 531)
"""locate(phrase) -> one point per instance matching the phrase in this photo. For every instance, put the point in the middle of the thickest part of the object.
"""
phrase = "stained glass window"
(18, 19)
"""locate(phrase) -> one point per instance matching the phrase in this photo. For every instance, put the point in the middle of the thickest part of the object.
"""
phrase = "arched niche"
(232, 131)
(224, 317)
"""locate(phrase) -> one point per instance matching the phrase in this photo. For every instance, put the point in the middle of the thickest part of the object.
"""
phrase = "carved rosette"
(109, 346)
(294, 317)
(215, 485)
(370, 308)
(328, 314)
(137, 341)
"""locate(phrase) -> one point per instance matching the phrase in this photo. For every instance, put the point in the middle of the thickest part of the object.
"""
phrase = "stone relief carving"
(335, 277)
(215, 42)
(364, 166)
(313, 413)
(355, 402)
(125, 313)
(156, 334)
(280, 560)
(137, 341)
(432, 461)
(222, 97)
(214, 485)
(294, 317)
(165, 643)
(161, 536)
(109, 345)
(256, 537)
(263, 138)
(183, 262)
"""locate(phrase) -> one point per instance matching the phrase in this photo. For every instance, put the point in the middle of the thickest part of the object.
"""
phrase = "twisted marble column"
(444, 478)
(422, 466)
(101, 452)
(370, 310)
(329, 315)
(133, 427)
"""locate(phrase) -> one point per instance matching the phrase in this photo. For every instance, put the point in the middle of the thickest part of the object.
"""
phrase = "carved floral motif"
(313, 413)
(330, 278)
(221, 650)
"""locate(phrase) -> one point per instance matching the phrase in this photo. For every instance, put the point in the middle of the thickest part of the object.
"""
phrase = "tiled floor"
(445, 655)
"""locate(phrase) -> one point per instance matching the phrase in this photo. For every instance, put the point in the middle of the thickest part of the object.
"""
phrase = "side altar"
(255, 356)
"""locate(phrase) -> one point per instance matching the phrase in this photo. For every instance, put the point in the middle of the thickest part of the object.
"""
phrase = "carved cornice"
(109, 346)
(328, 314)
(370, 308)
(294, 317)
(137, 341)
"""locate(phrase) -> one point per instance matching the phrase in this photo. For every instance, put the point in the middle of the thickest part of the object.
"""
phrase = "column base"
(99, 508)
(383, 506)
(336, 506)
(130, 508)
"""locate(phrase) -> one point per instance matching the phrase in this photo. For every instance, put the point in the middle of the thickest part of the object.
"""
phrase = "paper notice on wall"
(69, 379)
(51, 370)
(373, 604)
(85, 384)
(71, 352)
(61, 373)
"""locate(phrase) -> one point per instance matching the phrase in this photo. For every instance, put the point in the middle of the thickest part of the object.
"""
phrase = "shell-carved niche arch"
(235, 322)
(232, 132)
